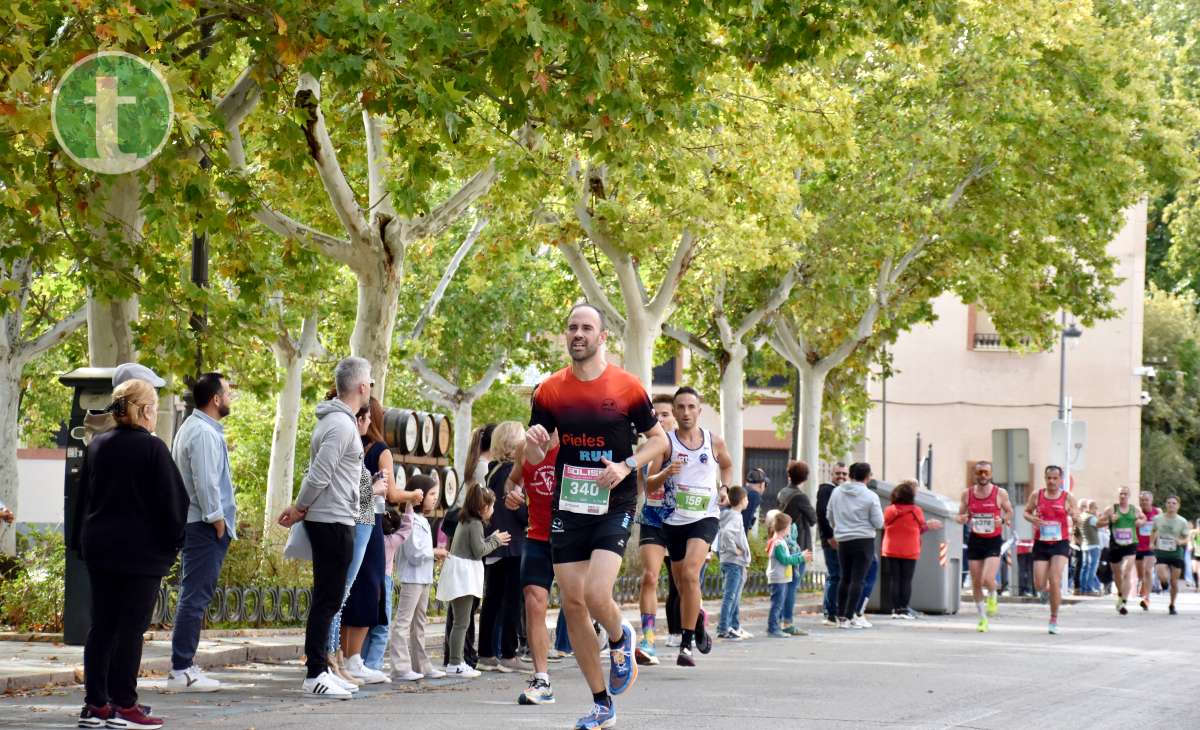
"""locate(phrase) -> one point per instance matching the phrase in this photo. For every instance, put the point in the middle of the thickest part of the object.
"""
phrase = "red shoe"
(134, 718)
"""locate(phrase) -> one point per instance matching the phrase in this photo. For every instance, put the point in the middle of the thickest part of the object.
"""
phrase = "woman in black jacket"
(501, 608)
(130, 521)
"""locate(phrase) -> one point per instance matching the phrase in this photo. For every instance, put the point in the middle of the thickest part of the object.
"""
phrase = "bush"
(32, 599)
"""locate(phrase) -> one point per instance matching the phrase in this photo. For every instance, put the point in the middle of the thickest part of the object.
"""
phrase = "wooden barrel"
(401, 474)
(414, 470)
(450, 485)
(401, 429)
(442, 435)
(426, 440)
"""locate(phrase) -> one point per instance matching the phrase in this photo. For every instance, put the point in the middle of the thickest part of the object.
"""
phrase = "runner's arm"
(962, 507)
(1031, 510)
(1006, 508)
(1104, 518)
(721, 451)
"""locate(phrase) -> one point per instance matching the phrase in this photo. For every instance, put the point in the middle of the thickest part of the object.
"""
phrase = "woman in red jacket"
(903, 525)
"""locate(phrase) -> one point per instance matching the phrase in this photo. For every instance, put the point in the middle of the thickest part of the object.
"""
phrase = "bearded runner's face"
(584, 335)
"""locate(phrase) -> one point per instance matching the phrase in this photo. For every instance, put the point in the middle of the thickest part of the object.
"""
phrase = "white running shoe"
(355, 668)
(409, 676)
(674, 640)
(191, 680)
(462, 671)
(344, 683)
(435, 674)
(324, 686)
(829, 622)
(858, 622)
(742, 633)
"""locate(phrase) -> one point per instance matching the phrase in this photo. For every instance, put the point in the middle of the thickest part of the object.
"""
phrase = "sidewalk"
(29, 662)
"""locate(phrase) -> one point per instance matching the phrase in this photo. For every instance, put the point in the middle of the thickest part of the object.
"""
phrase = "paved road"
(1103, 671)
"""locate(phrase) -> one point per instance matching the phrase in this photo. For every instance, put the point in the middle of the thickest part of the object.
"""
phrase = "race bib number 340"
(581, 491)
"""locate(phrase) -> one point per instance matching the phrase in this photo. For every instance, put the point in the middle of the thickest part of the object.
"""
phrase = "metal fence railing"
(259, 606)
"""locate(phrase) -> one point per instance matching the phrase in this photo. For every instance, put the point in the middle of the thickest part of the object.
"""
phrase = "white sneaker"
(409, 676)
(843, 623)
(191, 680)
(435, 674)
(344, 683)
(325, 686)
(463, 671)
(858, 622)
(829, 622)
(742, 633)
(674, 640)
(355, 668)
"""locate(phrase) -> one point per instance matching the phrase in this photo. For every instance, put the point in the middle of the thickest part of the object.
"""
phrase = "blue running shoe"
(622, 671)
(600, 716)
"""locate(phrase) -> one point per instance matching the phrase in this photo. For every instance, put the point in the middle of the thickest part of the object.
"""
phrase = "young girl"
(779, 568)
(414, 572)
(461, 581)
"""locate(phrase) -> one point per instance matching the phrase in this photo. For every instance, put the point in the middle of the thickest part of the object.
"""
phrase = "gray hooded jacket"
(854, 512)
(330, 488)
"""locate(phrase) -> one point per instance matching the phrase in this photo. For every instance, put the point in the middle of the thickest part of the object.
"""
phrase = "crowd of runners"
(557, 506)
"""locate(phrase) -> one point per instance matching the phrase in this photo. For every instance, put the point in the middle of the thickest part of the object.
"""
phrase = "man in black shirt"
(828, 544)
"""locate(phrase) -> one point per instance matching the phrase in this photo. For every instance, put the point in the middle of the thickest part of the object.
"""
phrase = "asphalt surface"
(1102, 671)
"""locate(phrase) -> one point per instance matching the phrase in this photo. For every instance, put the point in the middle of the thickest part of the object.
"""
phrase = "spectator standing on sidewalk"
(903, 525)
(202, 456)
(734, 552)
(328, 505)
(794, 503)
(129, 527)
(1090, 529)
(833, 569)
(855, 514)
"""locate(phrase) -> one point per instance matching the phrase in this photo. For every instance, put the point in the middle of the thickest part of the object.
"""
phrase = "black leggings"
(854, 558)
(674, 622)
(501, 611)
(332, 551)
(122, 604)
(899, 572)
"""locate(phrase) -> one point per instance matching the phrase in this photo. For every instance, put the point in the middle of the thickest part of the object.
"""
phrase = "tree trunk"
(110, 322)
(733, 385)
(378, 301)
(462, 436)
(282, 469)
(10, 395)
(812, 395)
(638, 340)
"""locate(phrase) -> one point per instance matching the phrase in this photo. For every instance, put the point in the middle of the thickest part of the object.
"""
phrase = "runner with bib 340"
(692, 496)
(597, 409)
(1050, 512)
(986, 510)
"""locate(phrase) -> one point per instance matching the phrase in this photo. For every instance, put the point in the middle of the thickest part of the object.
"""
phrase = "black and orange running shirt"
(597, 419)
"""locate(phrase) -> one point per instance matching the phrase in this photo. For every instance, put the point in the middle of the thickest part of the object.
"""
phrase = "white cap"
(132, 370)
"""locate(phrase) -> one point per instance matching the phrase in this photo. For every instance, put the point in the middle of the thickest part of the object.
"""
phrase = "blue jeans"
(778, 593)
(203, 554)
(789, 600)
(1091, 563)
(833, 575)
(362, 535)
(735, 578)
(562, 641)
(868, 584)
(375, 645)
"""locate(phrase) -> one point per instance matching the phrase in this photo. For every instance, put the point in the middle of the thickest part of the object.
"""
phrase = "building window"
(983, 334)
(665, 374)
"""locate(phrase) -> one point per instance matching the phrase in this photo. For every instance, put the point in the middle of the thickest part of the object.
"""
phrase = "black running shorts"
(679, 535)
(574, 537)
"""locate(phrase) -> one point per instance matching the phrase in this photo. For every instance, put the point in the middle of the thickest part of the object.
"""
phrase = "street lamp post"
(1064, 409)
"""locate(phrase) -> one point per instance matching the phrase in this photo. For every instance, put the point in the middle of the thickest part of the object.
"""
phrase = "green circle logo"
(112, 112)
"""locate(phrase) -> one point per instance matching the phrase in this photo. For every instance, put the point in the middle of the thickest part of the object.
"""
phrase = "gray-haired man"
(327, 504)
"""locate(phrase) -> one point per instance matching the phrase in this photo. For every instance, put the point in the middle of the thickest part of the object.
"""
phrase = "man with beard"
(200, 453)
(1145, 550)
(986, 510)
(596, 408)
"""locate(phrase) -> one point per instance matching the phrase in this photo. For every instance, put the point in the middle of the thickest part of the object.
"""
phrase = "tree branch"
(320, 148)
(447, 275)
(684, 253)
(690, 341)
(777, 299)
(589, 283)
(51, 337)
(436, 221)
(434, 380)
(378, 197)
(485, 381)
